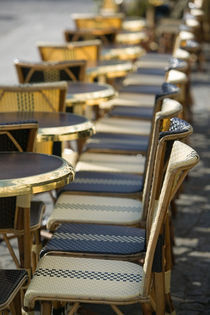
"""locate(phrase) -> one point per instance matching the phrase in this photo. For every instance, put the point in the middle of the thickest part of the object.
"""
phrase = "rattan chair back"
(85, 50)
(31, 72)
(106, 36)
(182, 159)
(12, 282)
(87, 21)
(45, 97)
(170, 108)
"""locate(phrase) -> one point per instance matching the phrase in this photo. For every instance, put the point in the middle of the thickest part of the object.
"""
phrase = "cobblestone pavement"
(22, 24)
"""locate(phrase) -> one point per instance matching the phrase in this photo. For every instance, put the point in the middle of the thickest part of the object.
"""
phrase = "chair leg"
(15, 306)
(46, 308)
(146, 309)
(116, 309)
(11, 251)
(74, 308)
(159, 293)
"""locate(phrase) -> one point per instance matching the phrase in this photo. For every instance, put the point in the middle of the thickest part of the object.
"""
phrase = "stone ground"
(22, 24)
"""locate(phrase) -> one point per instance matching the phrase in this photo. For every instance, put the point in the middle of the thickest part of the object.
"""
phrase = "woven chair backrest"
(170, 108)
(179, 130)
(45, 97)
(104, 35)
(86, 50)
(29, 72)
(20, 137)
(98, 21)
(182, 159)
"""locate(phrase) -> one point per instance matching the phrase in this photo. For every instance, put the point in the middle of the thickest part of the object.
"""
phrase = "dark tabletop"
(45, 119)
(16, 165)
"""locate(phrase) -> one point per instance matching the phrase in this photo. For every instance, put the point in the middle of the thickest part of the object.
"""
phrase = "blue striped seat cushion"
(96, 239)
(105, 182)
(143, 89)
(132, 111)
(118, 142)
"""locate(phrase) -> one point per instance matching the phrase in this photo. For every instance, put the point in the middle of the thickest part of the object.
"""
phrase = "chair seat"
(154, 60)
(131, 99)
(145, 89)
(123, 126)
(68, 278)
(72, 208)
(99, 162)
(103, 142)
(36, 213)
(96, 239)
(104, 182)
(132, 112)
(11, 282)
(151, 76)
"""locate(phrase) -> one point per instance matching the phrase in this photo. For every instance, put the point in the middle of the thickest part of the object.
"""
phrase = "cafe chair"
(12, 281)
(85, 50)
(35, 72)
(106, 36)
(129, 162)
(37, 97)
(119, 184)
(107, 142)
(114, 282)
(91, 21)
(81, 232)
(19, 136)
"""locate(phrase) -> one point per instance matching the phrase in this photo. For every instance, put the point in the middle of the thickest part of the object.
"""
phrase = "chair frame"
(17, 229)
(37, 87)
(70, 50)
(182, 159)
(49, 66)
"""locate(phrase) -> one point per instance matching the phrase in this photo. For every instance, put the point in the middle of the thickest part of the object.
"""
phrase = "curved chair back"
(31, 72)
(182, 159)
(12, 281)
(45, 97)
(179, 130)
(106, 36)
(170, 108)
(86, 50)
(88, 21)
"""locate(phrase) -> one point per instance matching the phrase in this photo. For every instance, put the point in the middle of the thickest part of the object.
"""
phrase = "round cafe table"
(84, 93)
(122, 52)
(53, 126)
(109, 69)
(23, 174)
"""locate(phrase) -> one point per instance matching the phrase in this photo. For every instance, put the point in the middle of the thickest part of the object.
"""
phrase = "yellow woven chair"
(86, 50)
(84, 280)
(35, 72)
(91, 21)
(45, 97)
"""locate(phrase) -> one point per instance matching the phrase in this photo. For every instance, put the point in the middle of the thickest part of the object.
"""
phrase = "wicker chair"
(106, 36)
(88, 21)
(113, 142)
(85, 280)
(19, 136)
(43, 97)
(92, 159)
(31, 72)
(11, 283)
(117, 184)
(128, 212)
(86, 50)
